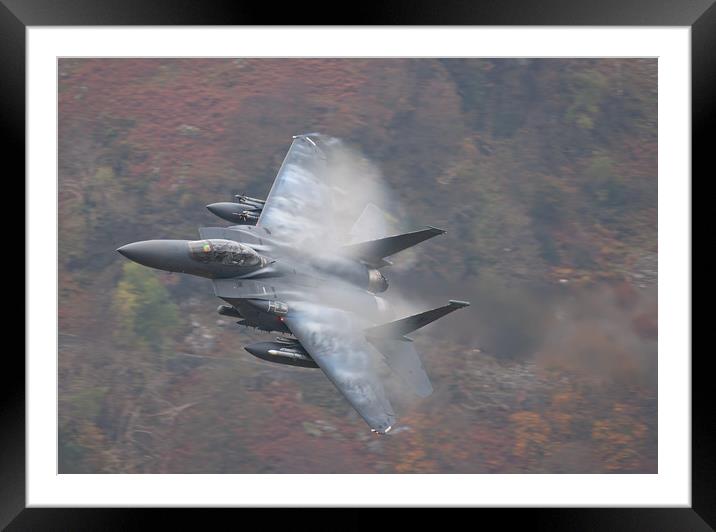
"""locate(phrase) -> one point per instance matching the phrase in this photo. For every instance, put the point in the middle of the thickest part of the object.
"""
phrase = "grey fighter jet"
(287, 267)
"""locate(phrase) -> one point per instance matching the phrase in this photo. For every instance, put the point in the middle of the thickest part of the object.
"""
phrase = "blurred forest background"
(544, 174)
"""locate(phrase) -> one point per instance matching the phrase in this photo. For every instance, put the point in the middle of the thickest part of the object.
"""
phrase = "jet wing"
(338, 345)
(403, 359)
(296, 207)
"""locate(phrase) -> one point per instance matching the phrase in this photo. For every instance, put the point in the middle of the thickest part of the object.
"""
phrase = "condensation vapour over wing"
(321, 189)
(330, 196)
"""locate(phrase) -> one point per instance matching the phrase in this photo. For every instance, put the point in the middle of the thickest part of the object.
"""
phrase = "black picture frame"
(16, 15)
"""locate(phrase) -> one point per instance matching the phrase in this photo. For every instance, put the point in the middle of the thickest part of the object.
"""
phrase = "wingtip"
(459, 304)
(437, 230)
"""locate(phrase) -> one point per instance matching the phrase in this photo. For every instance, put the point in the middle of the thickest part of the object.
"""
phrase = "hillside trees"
(543, 172)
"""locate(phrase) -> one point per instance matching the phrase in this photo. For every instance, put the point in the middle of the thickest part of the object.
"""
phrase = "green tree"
(145, 313)
(589, 87)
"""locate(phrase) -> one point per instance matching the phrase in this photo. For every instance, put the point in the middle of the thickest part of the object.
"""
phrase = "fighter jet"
(285, 267)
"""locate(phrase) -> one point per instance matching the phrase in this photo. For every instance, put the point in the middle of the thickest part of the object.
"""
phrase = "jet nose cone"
(131, 251)
(167, 255)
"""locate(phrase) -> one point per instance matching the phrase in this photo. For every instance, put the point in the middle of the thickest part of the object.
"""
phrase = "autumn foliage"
(542, 171)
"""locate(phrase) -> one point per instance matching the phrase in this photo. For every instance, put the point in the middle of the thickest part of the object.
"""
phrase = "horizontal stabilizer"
(397, 329)
(373, 251)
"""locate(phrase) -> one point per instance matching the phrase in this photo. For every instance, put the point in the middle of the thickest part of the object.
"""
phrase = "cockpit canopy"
(219, 251)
